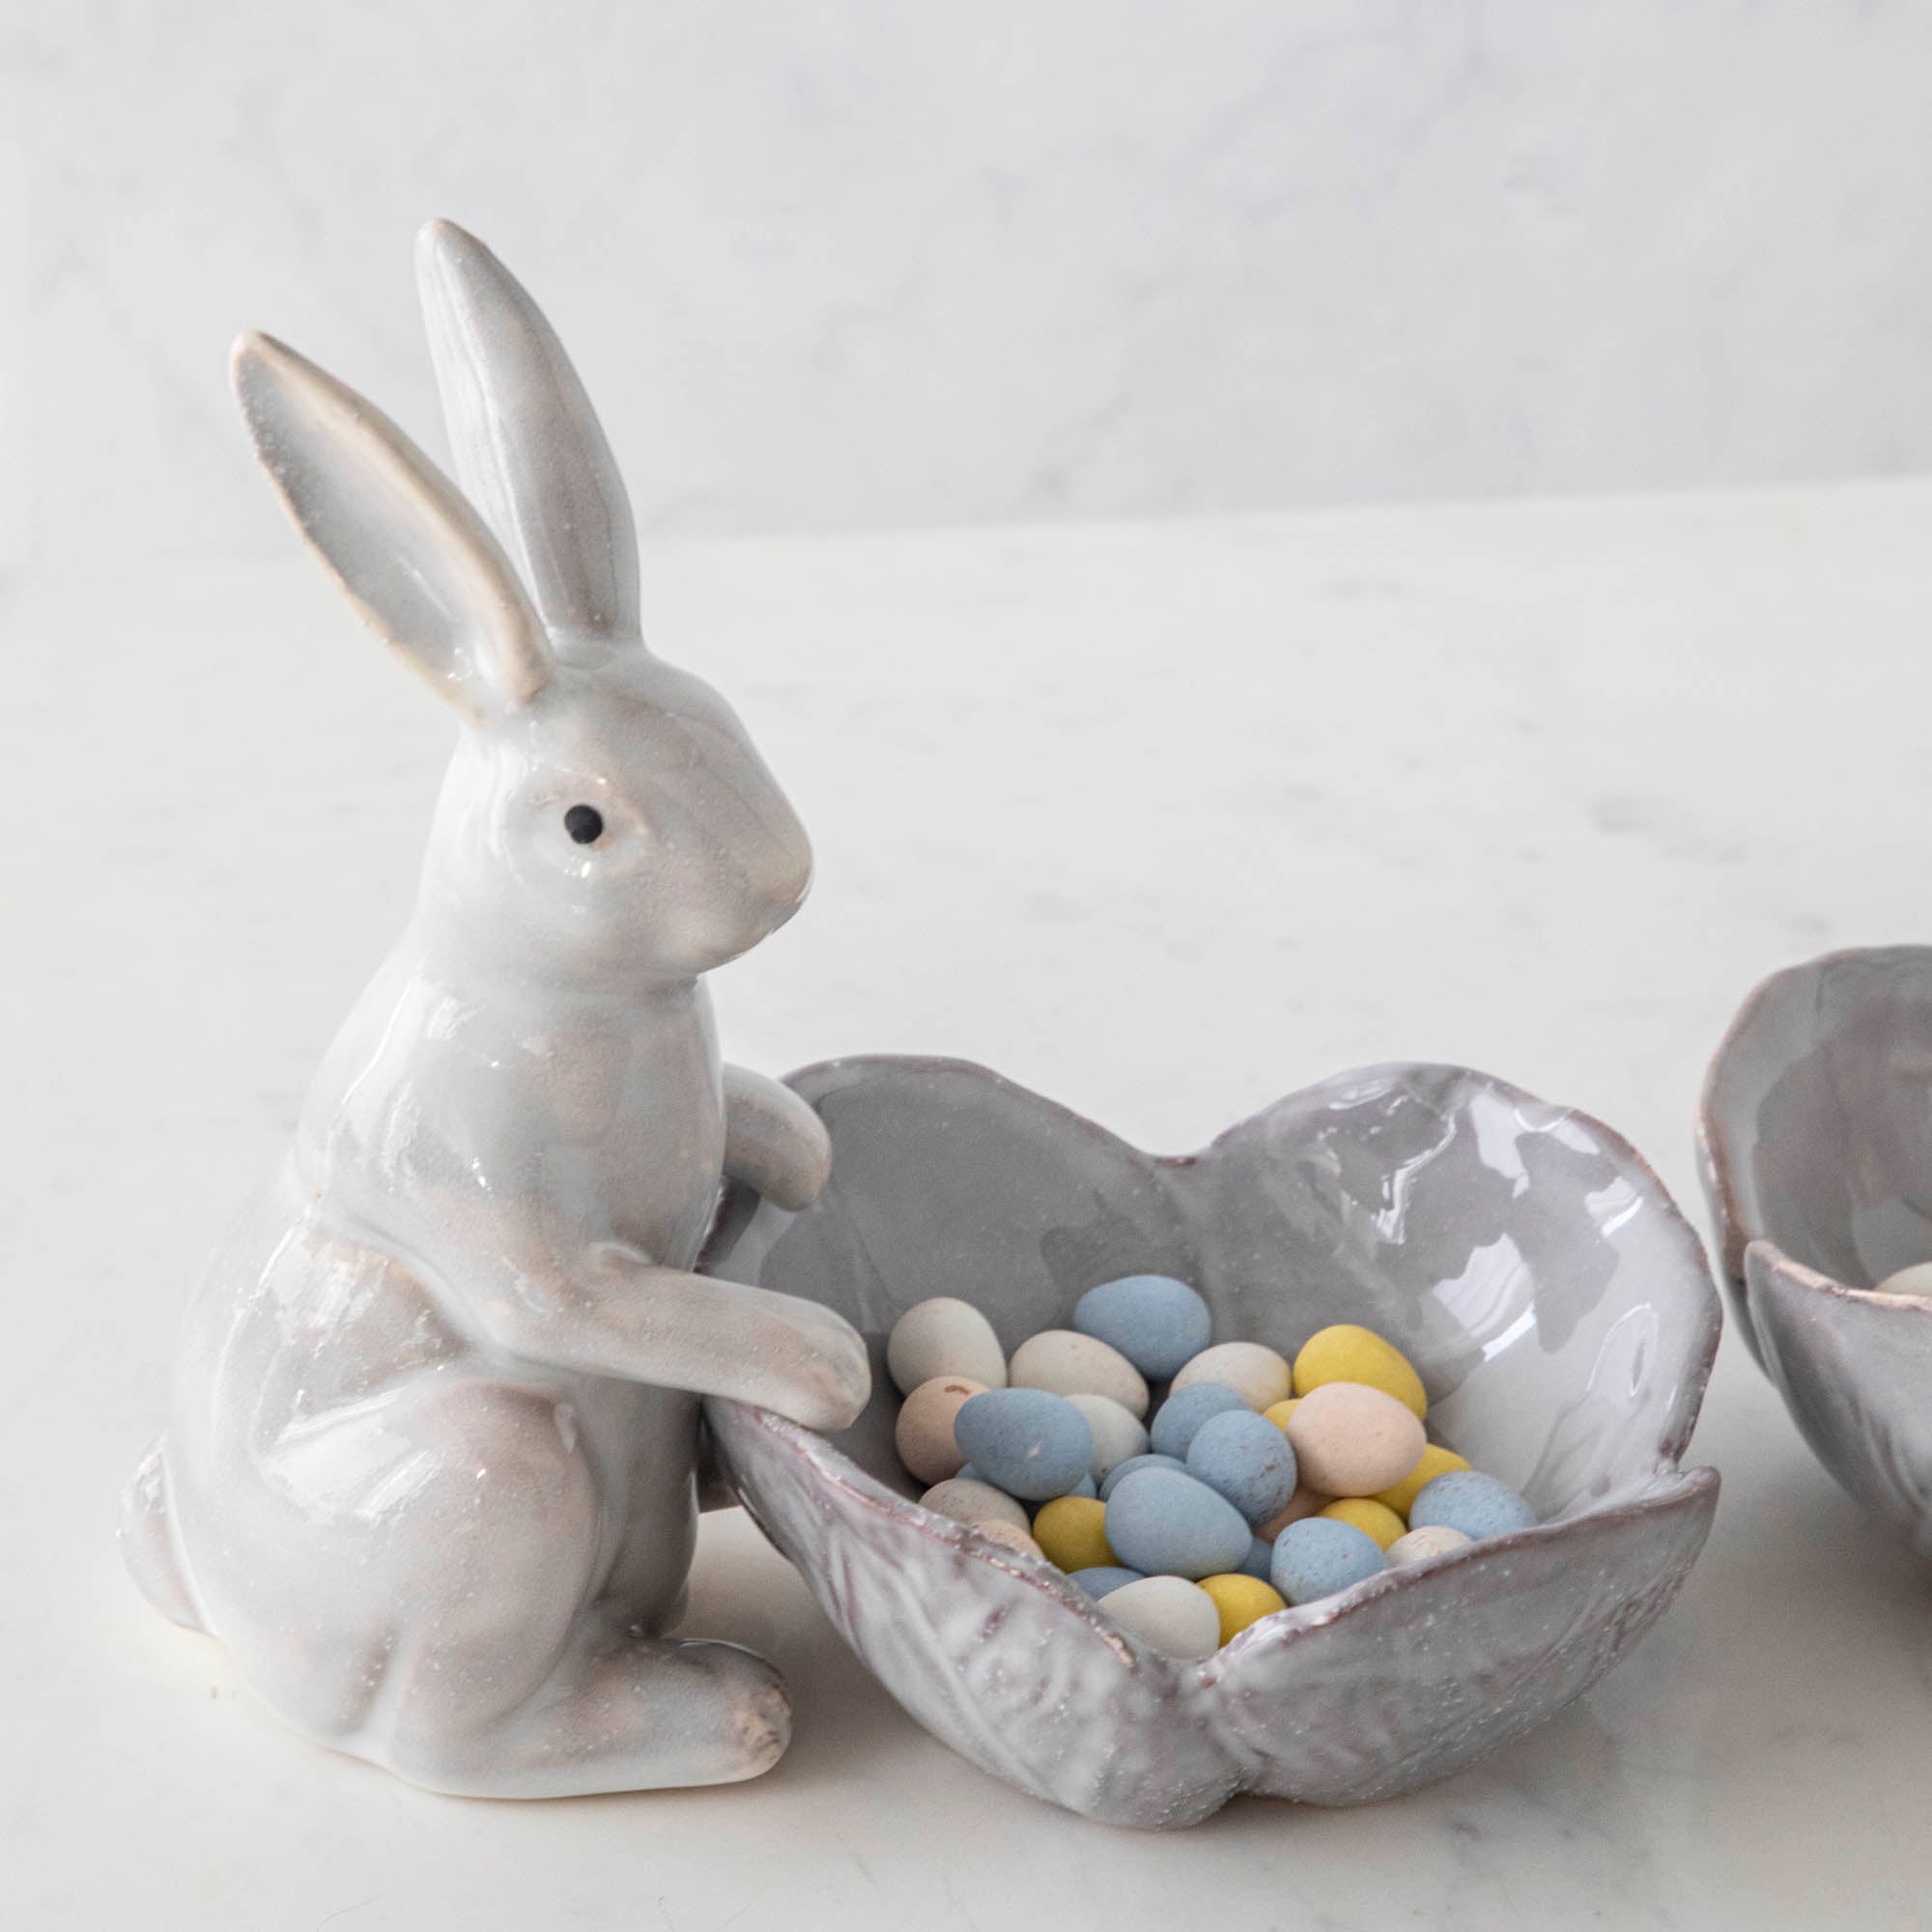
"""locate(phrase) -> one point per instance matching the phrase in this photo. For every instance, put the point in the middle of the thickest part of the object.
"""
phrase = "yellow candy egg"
(1346, 1353)
(1278, 1412)
(1371, 1518)
(1072, 1533)
(1437, 1460)
(1242, 1601)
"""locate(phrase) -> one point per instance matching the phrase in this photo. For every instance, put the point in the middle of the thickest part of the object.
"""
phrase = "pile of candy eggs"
(1248, 1483)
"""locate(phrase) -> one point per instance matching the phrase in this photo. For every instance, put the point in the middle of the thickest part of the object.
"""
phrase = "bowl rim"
(1672, 1486)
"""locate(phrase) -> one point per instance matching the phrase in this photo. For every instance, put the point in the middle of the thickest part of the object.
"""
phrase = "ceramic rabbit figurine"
(429, 1471)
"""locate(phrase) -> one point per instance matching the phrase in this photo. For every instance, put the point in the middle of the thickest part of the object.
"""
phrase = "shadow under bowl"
(1815, 1144)
(1557, 1305)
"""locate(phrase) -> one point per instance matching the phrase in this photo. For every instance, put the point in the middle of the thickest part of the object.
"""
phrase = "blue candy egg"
(1318, 1555)
(1184, 1412)
(1121, 1470)
(1083, 1487)
(1102, 1577)
(1165, 1523)
(1467, 1499)
(1259, 1560)
(1245, 1458)
(1156, 1321)
(1026, 1441)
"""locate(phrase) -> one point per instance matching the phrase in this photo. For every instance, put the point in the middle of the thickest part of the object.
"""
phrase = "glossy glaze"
(429, 1467)
(1557, 1305)
(1816, 1143)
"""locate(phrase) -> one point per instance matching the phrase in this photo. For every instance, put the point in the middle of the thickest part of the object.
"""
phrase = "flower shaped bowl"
(1559, 1309)
(1816, 1142)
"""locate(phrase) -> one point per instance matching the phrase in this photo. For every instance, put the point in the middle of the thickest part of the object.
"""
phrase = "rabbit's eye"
(585, 823)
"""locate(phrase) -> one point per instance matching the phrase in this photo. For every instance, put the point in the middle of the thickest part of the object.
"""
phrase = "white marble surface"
(854, 263)
(1540, 788)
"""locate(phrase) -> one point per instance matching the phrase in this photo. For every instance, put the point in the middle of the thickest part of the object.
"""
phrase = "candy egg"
(1014, 1539)
(1072, 1531)
(1257, 1375)
(1032, 1444)
(1121, 1470)
(1346, 1353)
(1245, 1458)
(1241, 1600)
(1418, 1546)
(1083, 1487)
(966, 1500)
(924, 1431)
(1169, 1614)
(1065, 1362)
(1160, 1522)
(1156, 1321)
(1376, 1520)
(1318, 1556)
(1118, 1436)
(944, 1337)
(1304, 1502)
(1437, 1460)
(1259, 1559)
(1351, 1441)
(1184, 1412)
(1476, 1504)
(1278, 1412)
(1914, 1280)
(1103, 1580)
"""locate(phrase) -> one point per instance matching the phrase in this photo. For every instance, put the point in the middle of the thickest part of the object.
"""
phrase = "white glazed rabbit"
(429, 1467)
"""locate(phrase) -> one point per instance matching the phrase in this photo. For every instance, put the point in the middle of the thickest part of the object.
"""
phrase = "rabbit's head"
(605, 817)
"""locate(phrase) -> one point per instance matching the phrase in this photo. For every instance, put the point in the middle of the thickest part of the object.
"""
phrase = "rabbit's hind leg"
(148, 1544)
(496, 1678)
(619, 1712)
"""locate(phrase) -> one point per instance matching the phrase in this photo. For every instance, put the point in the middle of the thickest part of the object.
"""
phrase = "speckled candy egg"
(1168, 1614)
(1072, 1531)
(1246, 1459)
(1348, 1354)
(1103, 1579)
(1184, 1412)
(1476, 1504)
(1065, 1362)
(1318, 1556)
(1304, 1502)
(1436, 1461)
(1376, 1520)
(1257, 1375)
(1006, 1534)
(944, 1337)
(1420, 1544)
(1026, 1441)
(1118, 1436)
(924, 1431)
(1122, 1470)
(966, 1500)
(1241, 1600)
(1351, 1441)
(1156, 1322)
(1167, 1525)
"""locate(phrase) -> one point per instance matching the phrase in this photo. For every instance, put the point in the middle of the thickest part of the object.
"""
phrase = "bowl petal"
(995, 1652)
(1816, 1125)
(1854, 1367)
(1526, 1259)
(1418, 1672)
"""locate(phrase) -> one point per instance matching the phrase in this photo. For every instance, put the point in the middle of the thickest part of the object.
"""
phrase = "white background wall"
(834, 263)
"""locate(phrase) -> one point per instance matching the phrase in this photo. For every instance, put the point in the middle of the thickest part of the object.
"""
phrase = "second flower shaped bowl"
(1557, 1305)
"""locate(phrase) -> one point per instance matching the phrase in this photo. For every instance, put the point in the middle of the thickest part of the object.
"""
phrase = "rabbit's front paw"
(833, 1381)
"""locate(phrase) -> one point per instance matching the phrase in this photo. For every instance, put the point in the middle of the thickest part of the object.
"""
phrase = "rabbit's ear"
(416, 559)
(528, 446)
